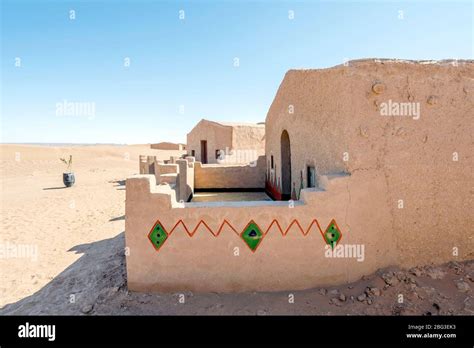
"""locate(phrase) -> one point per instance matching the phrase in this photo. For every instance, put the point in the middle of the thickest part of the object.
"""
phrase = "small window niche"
(193, 153)
(311, 176)
(271, 161)
(218, 153)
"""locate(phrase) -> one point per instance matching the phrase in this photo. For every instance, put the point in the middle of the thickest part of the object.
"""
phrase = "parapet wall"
(147, 164)
(235, 176)
(185, 182)
(168, 146)
(178, 173)
(203, 250)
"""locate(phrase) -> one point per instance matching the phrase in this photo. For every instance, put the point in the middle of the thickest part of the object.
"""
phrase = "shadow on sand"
(119, 184)
(95, 284)
(98, 272)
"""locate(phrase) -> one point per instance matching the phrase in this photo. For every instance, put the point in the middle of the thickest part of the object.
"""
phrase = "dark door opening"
(311, 176)
(204, 151)
(285, 166)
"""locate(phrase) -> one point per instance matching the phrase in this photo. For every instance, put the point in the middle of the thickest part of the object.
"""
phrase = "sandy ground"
(79, 267)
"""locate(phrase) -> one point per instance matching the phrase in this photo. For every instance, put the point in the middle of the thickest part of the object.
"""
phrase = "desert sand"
(36, 208)
(79, 267)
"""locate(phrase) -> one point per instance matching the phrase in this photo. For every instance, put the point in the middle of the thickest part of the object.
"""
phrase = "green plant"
(67, 162)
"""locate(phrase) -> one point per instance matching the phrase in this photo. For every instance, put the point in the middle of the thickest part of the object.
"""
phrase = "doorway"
(203, 151)
(285, 166)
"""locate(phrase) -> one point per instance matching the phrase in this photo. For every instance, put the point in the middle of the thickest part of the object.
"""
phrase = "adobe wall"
(218, 137)
(168, 146)
(250, 140)
(185, 181)
(147, 164)
(235, 176)
(338, 110)
(162, 168)
(204, 252)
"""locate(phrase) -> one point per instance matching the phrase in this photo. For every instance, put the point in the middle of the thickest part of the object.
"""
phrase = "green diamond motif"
(158, 235)
(332, 234)
(252, 235)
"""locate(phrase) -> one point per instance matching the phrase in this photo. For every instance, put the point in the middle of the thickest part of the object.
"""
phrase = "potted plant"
(68, 177)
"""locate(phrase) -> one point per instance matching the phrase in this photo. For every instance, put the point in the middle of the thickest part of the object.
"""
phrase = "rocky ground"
(430, 290)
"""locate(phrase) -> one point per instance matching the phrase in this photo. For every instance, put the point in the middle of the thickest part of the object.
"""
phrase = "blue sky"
(190, 62)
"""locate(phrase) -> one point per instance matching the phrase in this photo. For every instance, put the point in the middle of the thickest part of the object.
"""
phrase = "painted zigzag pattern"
(158, 243)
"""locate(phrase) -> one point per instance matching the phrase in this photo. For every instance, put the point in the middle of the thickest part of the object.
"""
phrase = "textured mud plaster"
(336, 112)
(168, 146)
(230, 176)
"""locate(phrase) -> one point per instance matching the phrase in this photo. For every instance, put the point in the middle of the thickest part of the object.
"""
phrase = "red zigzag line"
(225, 222)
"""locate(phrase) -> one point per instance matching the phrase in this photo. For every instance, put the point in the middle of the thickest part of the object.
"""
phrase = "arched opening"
(285, 166)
